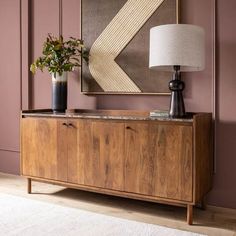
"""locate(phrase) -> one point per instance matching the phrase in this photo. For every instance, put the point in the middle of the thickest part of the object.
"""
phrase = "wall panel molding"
(60, 17)
(214, 80)
(9, 150)
(25, 45)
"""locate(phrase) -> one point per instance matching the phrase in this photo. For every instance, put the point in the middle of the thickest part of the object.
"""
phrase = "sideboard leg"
(190, 214)
(29, 185)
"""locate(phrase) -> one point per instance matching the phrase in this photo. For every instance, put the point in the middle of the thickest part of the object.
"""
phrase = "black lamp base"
(177, 109)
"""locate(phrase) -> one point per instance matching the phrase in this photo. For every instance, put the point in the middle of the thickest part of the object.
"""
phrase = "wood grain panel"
(99, 154)
(203, 155)
(108, 153)
(162, 161)
(159, 160)
(79, 142)
(43, 154)
(61, 149)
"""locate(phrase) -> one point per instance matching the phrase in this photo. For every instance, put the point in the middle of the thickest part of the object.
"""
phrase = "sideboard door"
(159, 160)
(99, 158)
(43, 148)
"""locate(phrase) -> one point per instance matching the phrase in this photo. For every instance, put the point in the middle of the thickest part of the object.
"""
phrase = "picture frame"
(117, 34)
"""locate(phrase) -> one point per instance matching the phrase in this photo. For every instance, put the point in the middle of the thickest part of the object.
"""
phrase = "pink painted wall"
(199, 86)
(224, 191)
(198, 93)
(10, 103)
(45, 19)
(71, 27)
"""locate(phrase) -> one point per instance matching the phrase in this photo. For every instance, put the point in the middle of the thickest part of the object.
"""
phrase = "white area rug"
(25, 217)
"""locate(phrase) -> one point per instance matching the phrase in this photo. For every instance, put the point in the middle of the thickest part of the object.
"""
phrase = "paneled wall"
(224, 191)
(26, 24)
(10, 85)
(198, 92)
(39, 19)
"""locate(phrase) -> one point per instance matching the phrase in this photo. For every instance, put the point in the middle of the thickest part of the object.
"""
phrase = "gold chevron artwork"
(119, 32)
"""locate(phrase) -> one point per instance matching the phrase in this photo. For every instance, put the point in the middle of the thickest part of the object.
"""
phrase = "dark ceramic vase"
(59, 93)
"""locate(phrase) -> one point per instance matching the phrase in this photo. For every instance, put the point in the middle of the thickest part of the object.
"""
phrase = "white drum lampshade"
(177, 44)
(177, 47)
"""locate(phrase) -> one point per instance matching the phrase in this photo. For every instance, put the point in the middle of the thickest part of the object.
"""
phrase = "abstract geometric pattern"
(119, 32)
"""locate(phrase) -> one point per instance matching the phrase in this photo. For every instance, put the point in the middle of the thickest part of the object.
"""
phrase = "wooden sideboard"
(122, 153)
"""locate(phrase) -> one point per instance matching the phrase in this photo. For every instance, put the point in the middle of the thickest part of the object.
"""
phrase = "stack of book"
(159, 113)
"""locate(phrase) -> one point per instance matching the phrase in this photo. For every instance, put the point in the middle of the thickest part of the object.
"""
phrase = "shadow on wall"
(223, 192)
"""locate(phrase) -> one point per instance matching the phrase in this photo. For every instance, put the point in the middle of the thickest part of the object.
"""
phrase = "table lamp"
(178, 48)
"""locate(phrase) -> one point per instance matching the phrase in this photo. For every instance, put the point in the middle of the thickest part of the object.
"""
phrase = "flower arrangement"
(60, 56)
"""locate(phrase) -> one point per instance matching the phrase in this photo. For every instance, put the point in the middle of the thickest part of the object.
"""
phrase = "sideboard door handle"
(131, 129)
(71, 125)
(64, 124)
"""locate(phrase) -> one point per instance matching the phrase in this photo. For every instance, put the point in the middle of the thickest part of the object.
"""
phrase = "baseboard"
(9, 162)
(223, 210)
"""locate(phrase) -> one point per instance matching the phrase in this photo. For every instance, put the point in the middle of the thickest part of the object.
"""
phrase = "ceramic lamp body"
(177, 48)
(59, 92)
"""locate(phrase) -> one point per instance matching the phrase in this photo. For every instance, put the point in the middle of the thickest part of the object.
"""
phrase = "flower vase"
(59, 92)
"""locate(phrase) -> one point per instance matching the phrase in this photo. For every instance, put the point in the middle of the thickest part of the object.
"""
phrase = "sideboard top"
(103, 114)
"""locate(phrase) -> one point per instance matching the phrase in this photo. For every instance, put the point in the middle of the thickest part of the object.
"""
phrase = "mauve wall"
(10, 89)
(44, 18)
(198, 93)
(224, 191)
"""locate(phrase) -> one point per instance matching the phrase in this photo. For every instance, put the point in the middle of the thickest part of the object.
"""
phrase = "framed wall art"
(117, 34)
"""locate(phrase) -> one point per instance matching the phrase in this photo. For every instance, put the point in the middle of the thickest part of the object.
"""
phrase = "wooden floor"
(213, 221)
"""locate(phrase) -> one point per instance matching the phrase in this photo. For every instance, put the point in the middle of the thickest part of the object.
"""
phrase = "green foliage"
(59, 55)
